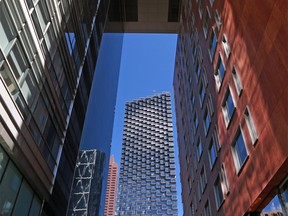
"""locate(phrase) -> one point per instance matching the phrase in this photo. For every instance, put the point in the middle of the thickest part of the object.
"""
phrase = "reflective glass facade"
(48, 55)
(87, 184)
(147, 183)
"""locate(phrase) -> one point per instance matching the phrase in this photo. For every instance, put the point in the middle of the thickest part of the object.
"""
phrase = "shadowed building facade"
(231, 95)
(147, 182)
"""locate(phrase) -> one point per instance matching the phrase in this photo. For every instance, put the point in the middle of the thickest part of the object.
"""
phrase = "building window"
(204, 77)
(187, 161)
(192, 98)
(190, 80)
(218, 192)
(196, 123)
(218, 19)
(206, 22)
(201, 6)
(201, 93)
(10, 185)
(226, 46)
(197, 69)
(7, 32)
(203, 179)
(194, 49)
(199, 191)
(239, 151)
(191, 209)
(212, 153)
(224, 180)
(220, 72)
(3, 160)
(250, 125)
(228, 107)
(216, 138)
(212, 44)
(189, 184)
(22, 72)
(207, 120)
(199, 149)
(210, 105)
(207, 210)
(283, 195)
(236, 80)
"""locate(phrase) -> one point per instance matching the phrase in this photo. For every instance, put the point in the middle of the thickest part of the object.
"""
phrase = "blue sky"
(147, 67)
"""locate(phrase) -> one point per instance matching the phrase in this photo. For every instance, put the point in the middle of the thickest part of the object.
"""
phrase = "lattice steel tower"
(147, 183)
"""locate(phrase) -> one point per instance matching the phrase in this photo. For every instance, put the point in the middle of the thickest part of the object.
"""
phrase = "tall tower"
(147, 183)
(111, 191)
(231, 91)
(87, 185)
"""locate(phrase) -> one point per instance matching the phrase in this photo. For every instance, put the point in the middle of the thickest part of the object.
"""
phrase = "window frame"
(226, 46)
(199, 149)
(211, 42)
(205, 116)
(217, 185)
(217, 74)
(237, 81)
(250, 125)
(227, 116)
(205, 23)
(237, 163)
(212, 144)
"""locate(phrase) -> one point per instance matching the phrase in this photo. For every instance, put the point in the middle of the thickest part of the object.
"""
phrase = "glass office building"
(48, 54)
(87, 184)
(147, 183)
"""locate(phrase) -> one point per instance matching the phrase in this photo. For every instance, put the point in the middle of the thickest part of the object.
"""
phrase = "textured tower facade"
(111, 191)
(231, 96)
(147, 183)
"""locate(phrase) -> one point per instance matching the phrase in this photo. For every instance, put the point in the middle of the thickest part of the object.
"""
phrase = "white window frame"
(237, 81)
(226, 46)
(250, 125)
(235, 155)
(226, 115)
(217, 75)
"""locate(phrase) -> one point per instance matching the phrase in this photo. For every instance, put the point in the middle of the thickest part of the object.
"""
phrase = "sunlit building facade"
(230, 87)
(147, 182)
(111, 191)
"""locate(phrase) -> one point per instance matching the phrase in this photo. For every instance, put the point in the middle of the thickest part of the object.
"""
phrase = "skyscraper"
(87, 185)
(147, 183)
(48, 55)
(111, 192)
(231, 92)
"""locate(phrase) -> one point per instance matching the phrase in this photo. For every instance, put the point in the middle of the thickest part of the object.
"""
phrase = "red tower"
(111, 191)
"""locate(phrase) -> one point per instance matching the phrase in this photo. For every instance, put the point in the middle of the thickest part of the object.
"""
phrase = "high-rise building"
(147, 182)
(48, 54)
(231, 93)
(111, 191)
(87, 185)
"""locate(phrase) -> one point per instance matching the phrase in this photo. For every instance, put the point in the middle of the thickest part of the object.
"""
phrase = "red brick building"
(231, 97)
(111, 191)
